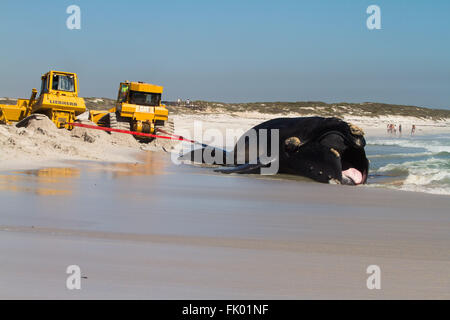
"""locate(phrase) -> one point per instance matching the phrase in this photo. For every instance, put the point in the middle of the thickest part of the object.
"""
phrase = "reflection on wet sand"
(54, 174)
(147, 164)
(60, 181)
(42, 182)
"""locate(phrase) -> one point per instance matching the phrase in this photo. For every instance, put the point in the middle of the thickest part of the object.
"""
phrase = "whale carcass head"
(330, 150)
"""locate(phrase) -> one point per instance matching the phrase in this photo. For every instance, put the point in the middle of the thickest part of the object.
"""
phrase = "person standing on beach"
(400, 129)
(413, 129)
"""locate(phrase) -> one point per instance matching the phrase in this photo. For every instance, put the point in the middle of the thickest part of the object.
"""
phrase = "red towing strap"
(135, 133)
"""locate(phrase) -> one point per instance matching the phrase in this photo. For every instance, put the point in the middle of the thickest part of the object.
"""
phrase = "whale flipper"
(247, 167)
(243, 168)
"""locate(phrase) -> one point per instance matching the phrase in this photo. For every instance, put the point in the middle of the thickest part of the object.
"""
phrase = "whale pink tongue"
(353, 174)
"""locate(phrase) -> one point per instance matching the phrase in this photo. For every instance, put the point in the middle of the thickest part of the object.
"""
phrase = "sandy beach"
(154, 230)
(140, 226)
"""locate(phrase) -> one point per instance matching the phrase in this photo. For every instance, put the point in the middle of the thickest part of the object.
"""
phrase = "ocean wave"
(433, 146)
(414, 188)
(431, 175)
(430, 163)
(433, 190)
(406, 155)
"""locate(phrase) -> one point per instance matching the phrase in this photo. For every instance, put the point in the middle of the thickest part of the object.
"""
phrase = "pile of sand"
(37, 142)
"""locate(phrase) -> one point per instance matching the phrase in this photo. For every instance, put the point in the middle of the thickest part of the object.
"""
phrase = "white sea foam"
(431, 175)
(434, 146)
(399, 155)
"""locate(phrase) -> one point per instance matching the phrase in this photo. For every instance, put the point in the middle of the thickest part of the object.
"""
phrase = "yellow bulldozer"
(138, 108)
(58, 100)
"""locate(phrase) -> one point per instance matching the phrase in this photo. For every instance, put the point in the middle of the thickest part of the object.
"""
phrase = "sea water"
(413, 163)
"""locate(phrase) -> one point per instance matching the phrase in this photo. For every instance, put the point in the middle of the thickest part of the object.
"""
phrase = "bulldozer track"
(117, 122)
(168, 127)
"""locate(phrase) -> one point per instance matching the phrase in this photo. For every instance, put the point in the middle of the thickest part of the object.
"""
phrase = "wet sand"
(153, 230)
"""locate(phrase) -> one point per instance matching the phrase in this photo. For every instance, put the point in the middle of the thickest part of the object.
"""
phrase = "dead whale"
(327, 150)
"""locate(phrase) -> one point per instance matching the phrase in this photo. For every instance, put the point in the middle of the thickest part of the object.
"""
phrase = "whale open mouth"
(354, 175)
(354, 166)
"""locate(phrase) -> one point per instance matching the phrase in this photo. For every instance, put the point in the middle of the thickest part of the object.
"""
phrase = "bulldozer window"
(44, 86)
(123, 93)
(144, 98)
(63, 83)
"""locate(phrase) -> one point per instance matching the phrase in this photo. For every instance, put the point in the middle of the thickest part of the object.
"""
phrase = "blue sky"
(235, 50)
